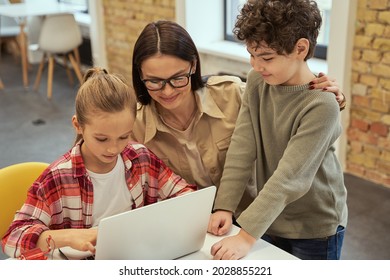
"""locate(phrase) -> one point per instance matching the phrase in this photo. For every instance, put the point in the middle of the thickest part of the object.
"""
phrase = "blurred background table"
(21, 11)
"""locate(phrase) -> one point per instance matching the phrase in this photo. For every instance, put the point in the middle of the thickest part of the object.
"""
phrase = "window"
(232, 8)
(82, 5)
(323, 38)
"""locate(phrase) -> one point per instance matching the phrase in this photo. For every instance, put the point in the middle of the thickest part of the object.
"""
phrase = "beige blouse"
(197, 154)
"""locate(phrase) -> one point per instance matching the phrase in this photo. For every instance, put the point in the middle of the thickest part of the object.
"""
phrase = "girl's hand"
(84, 239)
(78, 239)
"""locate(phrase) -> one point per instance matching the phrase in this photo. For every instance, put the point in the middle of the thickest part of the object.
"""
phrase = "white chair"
(9, 31)
(33, 29)
(60, 35)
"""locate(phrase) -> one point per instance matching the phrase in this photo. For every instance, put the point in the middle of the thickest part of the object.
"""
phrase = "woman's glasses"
(175, 82)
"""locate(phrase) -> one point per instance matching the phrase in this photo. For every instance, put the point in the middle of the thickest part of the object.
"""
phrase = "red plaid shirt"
(62, 197)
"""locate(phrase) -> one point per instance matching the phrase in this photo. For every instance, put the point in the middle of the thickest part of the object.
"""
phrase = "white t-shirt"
(110, 193)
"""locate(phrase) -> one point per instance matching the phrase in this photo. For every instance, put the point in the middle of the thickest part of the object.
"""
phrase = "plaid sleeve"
(54, 201)
(158, 180)
(29, 222)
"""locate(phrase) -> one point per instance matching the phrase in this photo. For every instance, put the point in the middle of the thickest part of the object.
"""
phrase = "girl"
(102, 175)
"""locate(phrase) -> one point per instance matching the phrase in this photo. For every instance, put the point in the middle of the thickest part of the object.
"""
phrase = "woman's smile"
(169, 99)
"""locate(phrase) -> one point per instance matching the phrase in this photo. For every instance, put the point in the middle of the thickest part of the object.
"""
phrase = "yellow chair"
(15, 180)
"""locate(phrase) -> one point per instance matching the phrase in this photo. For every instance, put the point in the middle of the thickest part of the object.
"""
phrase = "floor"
(32, 128)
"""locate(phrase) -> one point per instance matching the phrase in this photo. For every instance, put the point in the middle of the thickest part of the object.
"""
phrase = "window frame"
(86, 11)
(320, 50)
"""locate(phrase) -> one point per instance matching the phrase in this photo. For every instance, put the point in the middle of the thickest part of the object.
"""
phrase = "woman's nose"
(167, 89)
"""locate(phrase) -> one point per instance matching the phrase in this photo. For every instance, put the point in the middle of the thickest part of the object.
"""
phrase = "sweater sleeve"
(239, 162)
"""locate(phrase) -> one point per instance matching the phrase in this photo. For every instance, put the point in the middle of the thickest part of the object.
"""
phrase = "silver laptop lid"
(168, 229)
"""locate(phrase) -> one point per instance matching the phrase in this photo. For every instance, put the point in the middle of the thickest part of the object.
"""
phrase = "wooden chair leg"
(15, 49)
(1, 84)
(77, 56)
(50, 77)
(70, 76)
(76, 68)
(40, 70)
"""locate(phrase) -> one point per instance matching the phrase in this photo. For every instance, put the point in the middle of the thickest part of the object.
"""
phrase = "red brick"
(360, 124)
(355, 169)
(384, 143)
(364, 137)
(386, 182)
(361, 101)
(356, 146)
(374, 176)
(380, 129)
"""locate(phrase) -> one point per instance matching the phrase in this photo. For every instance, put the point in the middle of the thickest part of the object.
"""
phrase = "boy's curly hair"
(279, 23)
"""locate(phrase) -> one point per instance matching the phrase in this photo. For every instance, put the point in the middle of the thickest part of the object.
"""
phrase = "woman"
(188, 121)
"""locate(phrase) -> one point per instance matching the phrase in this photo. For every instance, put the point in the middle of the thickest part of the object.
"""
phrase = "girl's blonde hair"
(102, 92)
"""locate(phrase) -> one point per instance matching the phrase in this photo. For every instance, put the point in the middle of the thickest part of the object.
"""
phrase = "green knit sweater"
(288, 132)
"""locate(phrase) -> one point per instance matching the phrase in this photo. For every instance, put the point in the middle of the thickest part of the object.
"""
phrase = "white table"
(21, 11)
(262, 250)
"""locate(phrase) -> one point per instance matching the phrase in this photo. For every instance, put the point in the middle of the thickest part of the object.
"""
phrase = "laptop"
(168, 229)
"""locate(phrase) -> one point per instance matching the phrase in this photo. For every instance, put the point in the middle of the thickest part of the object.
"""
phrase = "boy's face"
(105, 136)
(276, 69)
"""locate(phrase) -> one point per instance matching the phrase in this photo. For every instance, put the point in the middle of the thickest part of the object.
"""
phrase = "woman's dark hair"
(168, 38)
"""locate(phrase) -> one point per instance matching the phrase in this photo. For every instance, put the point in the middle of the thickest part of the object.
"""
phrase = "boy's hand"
(220, 222)
(233, 247)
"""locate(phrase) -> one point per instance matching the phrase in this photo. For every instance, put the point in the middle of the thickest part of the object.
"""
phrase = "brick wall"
(368, 153)
(124, 21)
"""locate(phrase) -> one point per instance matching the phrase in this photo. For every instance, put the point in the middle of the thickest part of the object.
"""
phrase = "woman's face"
(165, 67)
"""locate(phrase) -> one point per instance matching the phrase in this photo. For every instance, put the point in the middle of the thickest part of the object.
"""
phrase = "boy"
(289, 130)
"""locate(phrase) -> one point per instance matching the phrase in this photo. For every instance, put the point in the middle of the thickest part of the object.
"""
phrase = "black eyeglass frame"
(165, 81)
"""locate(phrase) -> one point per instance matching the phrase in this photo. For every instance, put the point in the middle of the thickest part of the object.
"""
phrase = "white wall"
(342, 30)
(97, 33)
